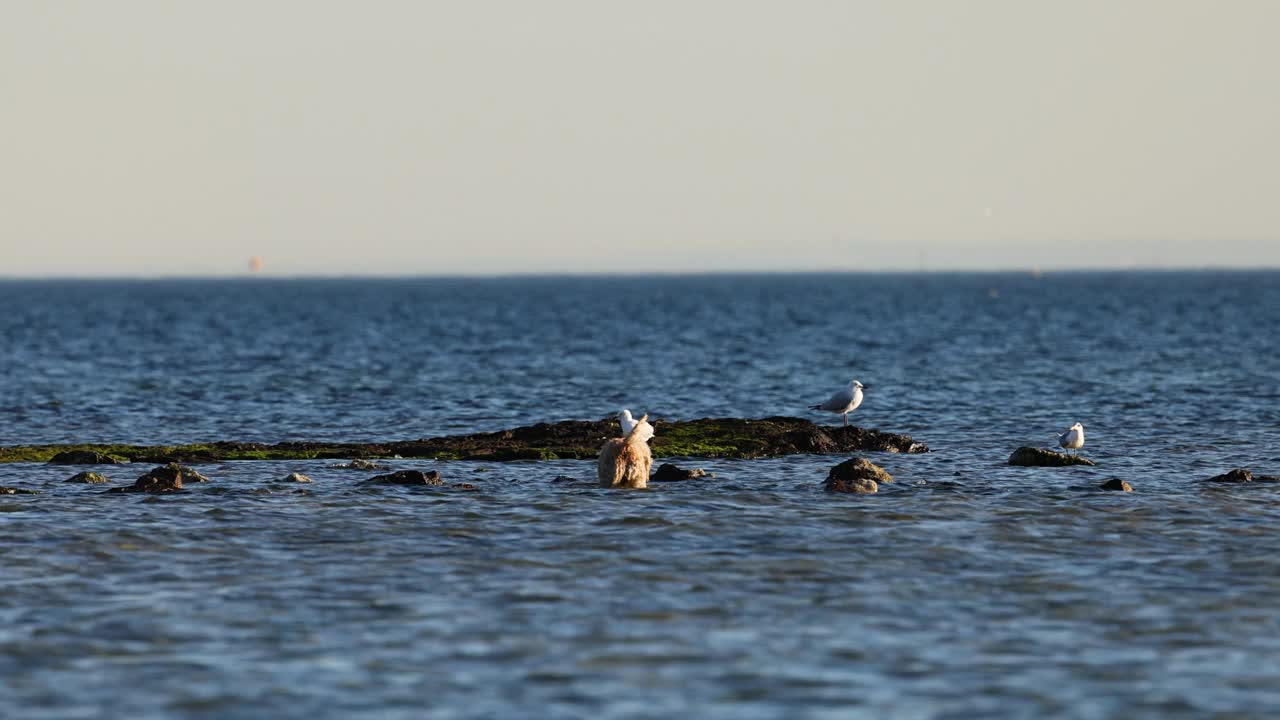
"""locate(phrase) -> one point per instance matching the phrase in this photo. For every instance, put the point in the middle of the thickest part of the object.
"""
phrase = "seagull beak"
(866, 387)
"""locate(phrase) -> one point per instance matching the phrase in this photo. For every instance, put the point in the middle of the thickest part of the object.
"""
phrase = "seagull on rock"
(844, 401)
(1073, 438)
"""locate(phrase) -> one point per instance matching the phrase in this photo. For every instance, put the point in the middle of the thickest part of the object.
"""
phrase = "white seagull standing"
(629, 423)
(843, 402)
(1073, 438)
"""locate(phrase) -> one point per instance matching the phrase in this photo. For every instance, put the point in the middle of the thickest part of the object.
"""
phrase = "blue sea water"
(966, 588)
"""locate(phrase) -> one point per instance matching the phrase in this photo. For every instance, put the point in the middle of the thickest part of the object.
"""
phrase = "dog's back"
(625, 462)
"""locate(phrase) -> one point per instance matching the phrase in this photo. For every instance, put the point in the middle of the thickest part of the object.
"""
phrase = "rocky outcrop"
(1116, 484)
(1241, 475)
(571, 439)
(88, 477)
(856, 475)
(82, 457)
(294, 478)
(167, 478)
(667, 472)
(1035, 457)
(17, 491)
(407, 477)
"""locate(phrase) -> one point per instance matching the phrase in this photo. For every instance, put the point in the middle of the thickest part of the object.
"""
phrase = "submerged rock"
(856, 475)
(1036, 457)
(1241, 475)
(88, 477)
(17, 491)
(295, 478)
(360, 464)
(82, 457)
(166, 478)
(1116, 484)
(667, 472)
(407, 477)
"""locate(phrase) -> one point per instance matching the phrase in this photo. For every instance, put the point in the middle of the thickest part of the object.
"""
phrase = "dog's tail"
(639, 424)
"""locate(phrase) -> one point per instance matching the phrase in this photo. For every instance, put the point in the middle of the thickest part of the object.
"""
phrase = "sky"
(156, 137)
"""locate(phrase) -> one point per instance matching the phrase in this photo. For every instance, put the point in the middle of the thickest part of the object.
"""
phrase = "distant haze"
(158, 137)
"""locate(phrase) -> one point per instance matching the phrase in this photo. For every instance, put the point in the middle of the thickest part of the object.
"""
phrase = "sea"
(966, 588)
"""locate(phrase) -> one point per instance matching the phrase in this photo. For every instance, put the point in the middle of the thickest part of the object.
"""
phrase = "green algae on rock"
(569, 440)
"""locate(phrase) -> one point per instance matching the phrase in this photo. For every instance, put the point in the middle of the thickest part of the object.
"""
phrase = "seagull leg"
(846, 419)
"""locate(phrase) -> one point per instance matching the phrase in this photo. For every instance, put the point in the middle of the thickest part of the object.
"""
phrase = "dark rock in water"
(1116, 484)
(17, 491)
(563, 478)
(407, 477)
(295, 478)
(1035, 457)
(569, 440)
(88, 477)
(166, 478)
(670, 473)
(810, 441)
(179, 455)
(856, 475)
(82, 457)
(360, 464)
(465, 486)
(707, 437)
(1241, 475)
(850, 438)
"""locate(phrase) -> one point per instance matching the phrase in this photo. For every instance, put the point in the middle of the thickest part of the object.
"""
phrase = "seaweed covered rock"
(667, 472)
(163, 479)
(744, 438)
(856, 475)
(1241, 475)
(88, 477)
(1116, 484)
(4, 490)
(1036, 457)
(82, 457)
(407, 477)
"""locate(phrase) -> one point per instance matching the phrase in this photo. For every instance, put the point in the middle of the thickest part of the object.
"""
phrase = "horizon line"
(267, 275)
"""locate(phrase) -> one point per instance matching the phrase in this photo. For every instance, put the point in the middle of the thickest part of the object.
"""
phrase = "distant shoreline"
(694, 274)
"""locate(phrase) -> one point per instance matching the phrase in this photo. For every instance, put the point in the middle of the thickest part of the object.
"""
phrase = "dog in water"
(624, 462)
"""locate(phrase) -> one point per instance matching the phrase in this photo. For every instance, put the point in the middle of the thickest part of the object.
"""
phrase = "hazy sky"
(173, 137)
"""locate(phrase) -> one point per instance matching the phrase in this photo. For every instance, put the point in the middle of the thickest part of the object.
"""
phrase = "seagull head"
(856, 384)
(625, 414)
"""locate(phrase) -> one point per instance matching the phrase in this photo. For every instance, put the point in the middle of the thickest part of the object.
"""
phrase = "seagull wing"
(837, 402)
